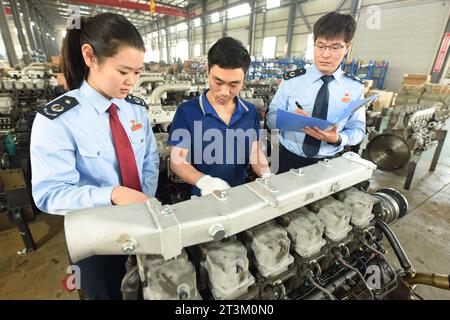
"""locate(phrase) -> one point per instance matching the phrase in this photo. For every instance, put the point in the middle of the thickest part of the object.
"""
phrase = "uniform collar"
(208, 108)
(316, 74)
(100, 103)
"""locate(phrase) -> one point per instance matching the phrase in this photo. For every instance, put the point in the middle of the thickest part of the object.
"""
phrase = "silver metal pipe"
(155, 98)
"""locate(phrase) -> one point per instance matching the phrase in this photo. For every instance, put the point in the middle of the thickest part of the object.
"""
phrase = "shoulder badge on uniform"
(135, 100)
(57, 107)
(294, 73)
(353, 77)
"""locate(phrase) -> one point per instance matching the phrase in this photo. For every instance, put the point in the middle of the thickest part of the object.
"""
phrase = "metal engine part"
(6, 104)
(269, 245)
(390, 152)
(335, 216)
(259, 240)
(228, 268)
(411, 130)
(233, 211)
(168, 279)
(163, 114)
(148, 81)
(392, 205)
(361, 205)
(306, 231)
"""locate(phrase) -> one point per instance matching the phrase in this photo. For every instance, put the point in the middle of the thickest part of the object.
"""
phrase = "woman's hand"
(123, 195)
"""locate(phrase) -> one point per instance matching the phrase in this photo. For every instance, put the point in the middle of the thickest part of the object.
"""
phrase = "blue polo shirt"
(215, 148)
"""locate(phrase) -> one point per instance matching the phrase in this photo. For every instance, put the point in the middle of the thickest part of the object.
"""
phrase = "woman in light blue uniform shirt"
(94, 146)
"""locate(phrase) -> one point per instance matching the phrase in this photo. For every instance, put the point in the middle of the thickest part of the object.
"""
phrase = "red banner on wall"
(442, 53)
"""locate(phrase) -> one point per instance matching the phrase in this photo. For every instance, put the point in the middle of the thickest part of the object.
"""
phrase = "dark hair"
(229, 53)
(335, 25)
(105, 33)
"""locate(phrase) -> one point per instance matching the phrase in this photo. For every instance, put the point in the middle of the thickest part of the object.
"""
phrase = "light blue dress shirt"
(73, 160)
(304, 89)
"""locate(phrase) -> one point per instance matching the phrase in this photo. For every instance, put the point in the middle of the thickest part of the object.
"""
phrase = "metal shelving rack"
(373, 70)
(262, 68)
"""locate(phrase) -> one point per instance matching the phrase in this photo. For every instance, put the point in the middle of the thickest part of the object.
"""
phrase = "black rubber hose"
(395, 244)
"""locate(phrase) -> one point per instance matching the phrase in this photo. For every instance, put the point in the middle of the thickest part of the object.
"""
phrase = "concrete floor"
(424, 233)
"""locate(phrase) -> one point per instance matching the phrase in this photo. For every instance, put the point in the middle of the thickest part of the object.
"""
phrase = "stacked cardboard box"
(56, 61)
(368, 84)
(416, 79)
(386, 99)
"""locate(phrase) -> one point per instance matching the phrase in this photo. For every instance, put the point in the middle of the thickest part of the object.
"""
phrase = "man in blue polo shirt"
(214, 137)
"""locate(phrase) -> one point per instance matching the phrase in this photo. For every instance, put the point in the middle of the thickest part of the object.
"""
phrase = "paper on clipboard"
(287, 121)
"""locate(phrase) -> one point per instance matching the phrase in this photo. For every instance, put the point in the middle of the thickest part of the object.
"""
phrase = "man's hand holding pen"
(300, 110)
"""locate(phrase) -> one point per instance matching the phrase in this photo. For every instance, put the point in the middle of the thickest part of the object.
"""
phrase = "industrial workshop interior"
(224, 150)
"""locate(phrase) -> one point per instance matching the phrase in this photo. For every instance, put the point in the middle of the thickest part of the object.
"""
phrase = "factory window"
(269, 46)
(156, 55)
(309, 55)
(197, 22)
(173, 54)
(238, 11)
(151, 55)
(272, 4)
(182, 50)
(181, 26)
(172, 29)
(197, 50)
(215, 17)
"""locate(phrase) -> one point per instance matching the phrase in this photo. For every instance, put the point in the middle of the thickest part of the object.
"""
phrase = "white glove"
(208, 184)
(266, 174)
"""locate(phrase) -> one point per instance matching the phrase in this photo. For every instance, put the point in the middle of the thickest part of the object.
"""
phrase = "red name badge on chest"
(135, 126)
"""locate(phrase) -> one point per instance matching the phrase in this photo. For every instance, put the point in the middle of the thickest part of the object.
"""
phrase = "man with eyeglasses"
(321, 91)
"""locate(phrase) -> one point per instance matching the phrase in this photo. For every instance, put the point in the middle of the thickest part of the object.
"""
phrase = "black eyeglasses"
(334, 48)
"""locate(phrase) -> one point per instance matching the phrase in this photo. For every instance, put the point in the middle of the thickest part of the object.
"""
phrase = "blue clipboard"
(287, 121)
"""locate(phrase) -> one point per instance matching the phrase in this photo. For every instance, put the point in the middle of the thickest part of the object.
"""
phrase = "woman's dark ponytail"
(73, 66)
(105, 33)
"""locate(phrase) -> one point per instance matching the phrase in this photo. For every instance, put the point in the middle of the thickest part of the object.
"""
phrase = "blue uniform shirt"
(215, 148)
(304, 89)
(73, 160)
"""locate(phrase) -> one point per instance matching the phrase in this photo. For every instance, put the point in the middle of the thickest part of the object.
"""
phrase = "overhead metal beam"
(302, 15)
(20, 35)
(35, 28)
(27, 18)
(290, 29)
(251, 26)
(7, 39)
(354, 8)
(204, 7)
(44, 40)
(189, 36)
(168, 37)
(224, 19)
(167, 10)
(160, 47)
(339, 7)
(263, 31)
